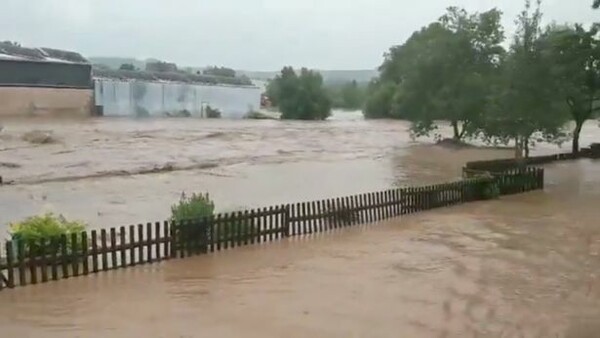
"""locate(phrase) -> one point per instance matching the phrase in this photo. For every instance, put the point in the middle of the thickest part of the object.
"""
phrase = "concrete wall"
(32, 101)
(143, 98)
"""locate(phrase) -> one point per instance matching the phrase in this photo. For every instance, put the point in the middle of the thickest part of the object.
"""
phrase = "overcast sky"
(245, 34)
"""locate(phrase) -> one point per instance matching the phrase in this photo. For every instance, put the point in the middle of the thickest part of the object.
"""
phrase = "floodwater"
(522, 266)
(113, 172)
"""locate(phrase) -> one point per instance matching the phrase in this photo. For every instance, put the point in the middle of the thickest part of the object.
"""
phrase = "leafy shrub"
(198, 206)
(48, 226)
(195, 207)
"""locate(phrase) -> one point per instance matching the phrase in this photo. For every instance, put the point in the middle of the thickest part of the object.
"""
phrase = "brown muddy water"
(522, 266)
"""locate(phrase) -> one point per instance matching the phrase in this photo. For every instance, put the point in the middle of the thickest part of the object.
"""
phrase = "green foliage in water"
(194, 207)
(300, 96)
(48, 226)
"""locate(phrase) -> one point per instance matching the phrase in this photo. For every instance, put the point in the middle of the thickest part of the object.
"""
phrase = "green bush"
(198, 206)
(195, 207)
(48, 226)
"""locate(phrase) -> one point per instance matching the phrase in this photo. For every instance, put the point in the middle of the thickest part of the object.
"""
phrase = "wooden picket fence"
(86, 253)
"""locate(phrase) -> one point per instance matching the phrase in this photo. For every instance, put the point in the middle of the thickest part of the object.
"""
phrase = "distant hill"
(330, 76)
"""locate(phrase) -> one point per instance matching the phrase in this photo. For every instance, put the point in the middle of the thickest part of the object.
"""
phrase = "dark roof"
(10, 51)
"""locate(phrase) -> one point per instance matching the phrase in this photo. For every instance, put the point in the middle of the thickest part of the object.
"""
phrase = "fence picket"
(63, 256)
(75, 255)
(122, 243)
(157, 240)
(32, 261)
(43, 259)
(85, 257)
(54, 244)
(113, 248)
(10, 261)
(103, 249)
(140, 244)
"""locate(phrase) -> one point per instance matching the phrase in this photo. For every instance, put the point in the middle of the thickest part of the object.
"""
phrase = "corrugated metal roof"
(10, 51)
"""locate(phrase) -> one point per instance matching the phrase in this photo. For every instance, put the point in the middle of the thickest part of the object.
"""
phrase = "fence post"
(10, 264)
(285, 229)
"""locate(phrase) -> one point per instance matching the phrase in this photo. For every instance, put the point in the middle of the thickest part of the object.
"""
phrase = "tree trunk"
(456, 132)
(576, 133)
(518, 148)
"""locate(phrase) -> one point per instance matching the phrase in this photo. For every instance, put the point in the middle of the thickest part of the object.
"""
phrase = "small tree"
(194, 207)
(300, 97)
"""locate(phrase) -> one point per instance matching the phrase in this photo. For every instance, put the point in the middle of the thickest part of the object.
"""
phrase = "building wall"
(45, 74)
(144, 98)
(41, 101)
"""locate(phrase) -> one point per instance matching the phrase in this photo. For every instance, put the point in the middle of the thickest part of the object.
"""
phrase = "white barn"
(135, 97)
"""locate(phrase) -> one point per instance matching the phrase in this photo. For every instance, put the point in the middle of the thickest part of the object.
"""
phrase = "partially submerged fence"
(107, 249)
(502, 165)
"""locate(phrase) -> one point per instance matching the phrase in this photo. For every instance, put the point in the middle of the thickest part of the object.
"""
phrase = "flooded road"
(523, 266)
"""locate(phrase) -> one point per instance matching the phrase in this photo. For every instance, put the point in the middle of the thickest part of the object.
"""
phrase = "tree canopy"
(219, 71)
(300, 96)
(455, 70)
(441, 72)
(525, 101)
(574, 57)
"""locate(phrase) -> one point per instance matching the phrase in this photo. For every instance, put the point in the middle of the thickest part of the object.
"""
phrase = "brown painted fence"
(115, 248)
(502, 165)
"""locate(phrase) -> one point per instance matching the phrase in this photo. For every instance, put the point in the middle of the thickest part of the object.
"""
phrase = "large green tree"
(574, 56)
(524, 104)
(300, 96)
(441, 72)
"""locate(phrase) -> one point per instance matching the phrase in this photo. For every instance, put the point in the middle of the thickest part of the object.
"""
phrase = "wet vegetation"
(456, 69)
(33, 230)
(300, 96)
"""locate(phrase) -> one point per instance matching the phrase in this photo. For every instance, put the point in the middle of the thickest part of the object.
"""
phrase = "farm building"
(43, 82)
(144, 93)
(50, 82)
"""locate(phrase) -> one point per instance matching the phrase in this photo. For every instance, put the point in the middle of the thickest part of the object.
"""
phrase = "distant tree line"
(457, 70)
(348, 96)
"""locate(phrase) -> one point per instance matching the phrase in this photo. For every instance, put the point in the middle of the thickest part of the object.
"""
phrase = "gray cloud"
(246, 34)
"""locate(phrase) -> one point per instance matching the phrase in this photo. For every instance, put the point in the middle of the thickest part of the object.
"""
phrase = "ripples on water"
(525, 265)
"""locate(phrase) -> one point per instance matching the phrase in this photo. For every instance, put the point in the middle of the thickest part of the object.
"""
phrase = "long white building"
(134, 97)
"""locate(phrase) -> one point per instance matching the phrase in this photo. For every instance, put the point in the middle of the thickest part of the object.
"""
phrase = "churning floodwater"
(522, 266)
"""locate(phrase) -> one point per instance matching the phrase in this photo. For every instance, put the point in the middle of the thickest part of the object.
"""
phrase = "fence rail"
(115, 248)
